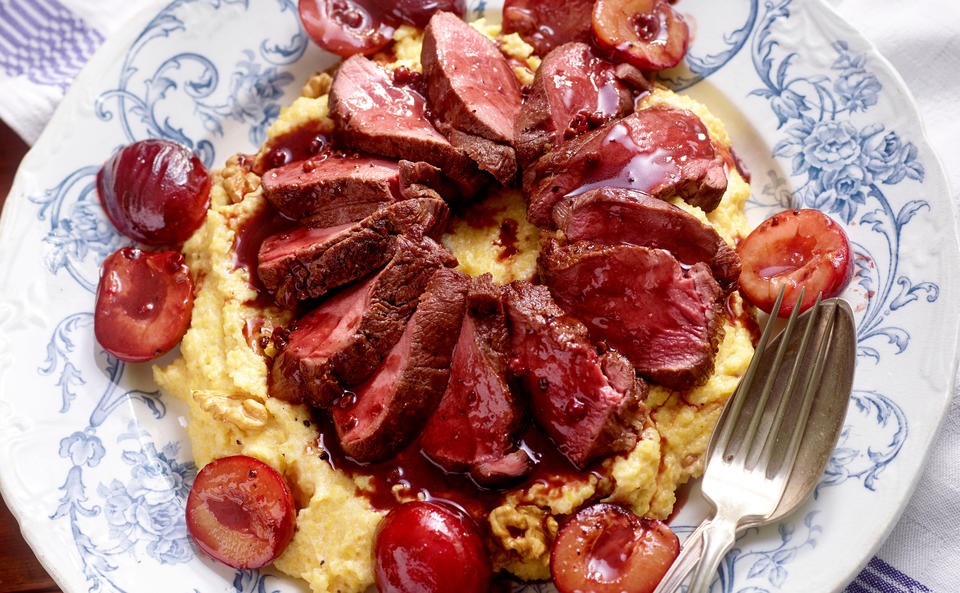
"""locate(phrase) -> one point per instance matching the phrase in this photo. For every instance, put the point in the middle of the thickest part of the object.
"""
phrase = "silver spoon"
(818, 440)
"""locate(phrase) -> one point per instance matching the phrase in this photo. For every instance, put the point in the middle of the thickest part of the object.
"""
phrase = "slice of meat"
(610, 216)
(574, 91)
(499, 160)
(666, 320)
(341, 343)
(332, 188)
(469, 83)
(661, 151)
(380, 416)
(475, 426)
(309, 262)
(587, 414)
(472, 89)
(379, 117)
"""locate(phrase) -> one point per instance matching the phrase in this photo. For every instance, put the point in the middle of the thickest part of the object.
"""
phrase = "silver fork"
(751, 454)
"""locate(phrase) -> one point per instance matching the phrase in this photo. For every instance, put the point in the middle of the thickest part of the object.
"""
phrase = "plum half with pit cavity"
(648, 34)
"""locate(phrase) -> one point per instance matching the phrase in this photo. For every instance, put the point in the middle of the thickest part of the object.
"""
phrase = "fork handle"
(684, 563)
(719, 534)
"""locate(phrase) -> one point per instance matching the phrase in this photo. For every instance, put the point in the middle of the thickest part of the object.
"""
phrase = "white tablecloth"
(43, 44)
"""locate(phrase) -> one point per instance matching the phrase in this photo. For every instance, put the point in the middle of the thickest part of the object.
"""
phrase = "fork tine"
(810, 391)
(736, 406)
(787, 395)
(746, 445)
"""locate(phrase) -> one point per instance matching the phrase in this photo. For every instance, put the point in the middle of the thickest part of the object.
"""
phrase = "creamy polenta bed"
(401, 300)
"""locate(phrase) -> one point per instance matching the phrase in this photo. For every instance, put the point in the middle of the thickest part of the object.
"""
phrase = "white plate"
(93, 460)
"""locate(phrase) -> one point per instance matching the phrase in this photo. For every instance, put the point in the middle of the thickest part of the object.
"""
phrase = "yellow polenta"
(221, 373)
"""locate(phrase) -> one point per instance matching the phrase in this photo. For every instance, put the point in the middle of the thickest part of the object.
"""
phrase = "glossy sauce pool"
(414, 474)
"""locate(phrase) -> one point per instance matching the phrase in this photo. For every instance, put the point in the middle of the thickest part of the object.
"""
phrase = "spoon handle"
(684, 563)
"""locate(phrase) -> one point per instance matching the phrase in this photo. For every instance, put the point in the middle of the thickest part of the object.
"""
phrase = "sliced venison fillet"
(376, 419)
(610, 216)
(660, 151)
(309, 262)
(475, 426)
(587, 413)
(472, 89)
(499, 160)
(469, 82)
(379, 117)
(641, 302)
(573, 91)
(304, 262)
(332, 188)
(342, 342)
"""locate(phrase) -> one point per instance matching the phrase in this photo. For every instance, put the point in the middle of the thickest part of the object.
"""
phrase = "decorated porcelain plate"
(94, 460)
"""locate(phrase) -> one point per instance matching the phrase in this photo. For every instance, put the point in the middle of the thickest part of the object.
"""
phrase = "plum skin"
(430, 547)
(155, 191)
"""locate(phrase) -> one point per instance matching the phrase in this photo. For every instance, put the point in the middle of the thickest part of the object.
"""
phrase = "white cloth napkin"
(43, 44)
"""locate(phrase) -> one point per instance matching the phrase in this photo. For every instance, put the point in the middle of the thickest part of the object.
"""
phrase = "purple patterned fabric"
(44, 41)
(880, 577)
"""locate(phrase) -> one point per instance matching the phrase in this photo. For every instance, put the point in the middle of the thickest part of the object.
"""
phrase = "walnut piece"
(524, 529)
(238, 179)
(317, 85)
(244, 412)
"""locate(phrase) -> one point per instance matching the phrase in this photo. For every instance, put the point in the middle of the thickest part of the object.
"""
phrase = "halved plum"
(546, 24)
(418, 12)
(345, 27)
(241, 512)
(430, 547)
(798, 249)
(144, 302)
(605, 548)
(155, 191)
(648, 34)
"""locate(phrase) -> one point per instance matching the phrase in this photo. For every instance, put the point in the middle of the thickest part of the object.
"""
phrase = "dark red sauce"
(481, 216)
(738, 163)
(416, 12)
(508, 238)
(300, 144)
(611, 550)
(414, 471)
(252, 333)
(743, 319)
(403, 76)
(682, 496)
(247, 241)
(246, 161)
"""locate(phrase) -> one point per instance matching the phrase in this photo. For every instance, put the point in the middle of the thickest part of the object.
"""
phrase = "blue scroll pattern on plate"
(142, 513)
(838, 165)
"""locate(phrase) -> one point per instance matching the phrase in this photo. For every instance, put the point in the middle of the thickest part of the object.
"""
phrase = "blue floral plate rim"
(840, 131)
